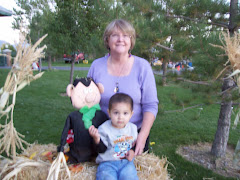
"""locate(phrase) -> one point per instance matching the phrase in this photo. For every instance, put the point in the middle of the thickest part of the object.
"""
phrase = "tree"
(191, 26)
(195, 27)
(35, 16)
(70, 25)
(8, 46)
(79, 26)
(203, 21)
(219, 145)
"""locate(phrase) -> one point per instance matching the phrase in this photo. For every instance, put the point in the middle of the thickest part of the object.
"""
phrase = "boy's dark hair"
(119, 98)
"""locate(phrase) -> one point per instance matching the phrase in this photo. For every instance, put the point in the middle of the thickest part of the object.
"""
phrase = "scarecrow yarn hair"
(85, 80)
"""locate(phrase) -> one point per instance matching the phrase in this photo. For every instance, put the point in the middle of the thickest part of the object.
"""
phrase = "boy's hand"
(130, 155)
(94, 133)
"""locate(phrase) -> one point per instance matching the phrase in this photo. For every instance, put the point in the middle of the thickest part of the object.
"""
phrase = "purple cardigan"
(139, 84)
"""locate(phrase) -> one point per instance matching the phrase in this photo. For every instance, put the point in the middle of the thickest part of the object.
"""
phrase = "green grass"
(41, 111)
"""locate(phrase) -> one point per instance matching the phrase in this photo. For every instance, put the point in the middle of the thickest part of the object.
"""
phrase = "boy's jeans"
(117, 170)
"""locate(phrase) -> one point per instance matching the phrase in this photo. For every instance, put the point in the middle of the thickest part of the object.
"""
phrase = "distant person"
(170, 64)
(115, 141)
(120, 71)
(80, 55)
(35, 66)
(190, 64)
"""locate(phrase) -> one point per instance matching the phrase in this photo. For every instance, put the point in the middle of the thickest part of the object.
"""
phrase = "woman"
(126, 73)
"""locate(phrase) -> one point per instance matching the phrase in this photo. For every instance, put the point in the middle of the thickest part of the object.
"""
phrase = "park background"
(169, 30)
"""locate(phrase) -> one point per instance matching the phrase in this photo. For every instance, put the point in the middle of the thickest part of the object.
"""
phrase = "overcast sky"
(6, 31)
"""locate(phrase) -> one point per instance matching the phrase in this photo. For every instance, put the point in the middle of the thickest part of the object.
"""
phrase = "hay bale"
(34, 164)
(151, 167)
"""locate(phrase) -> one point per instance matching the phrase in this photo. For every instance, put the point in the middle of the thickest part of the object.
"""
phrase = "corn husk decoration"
(148, 165)
(17, 167)
(231, 46)
(19, 76)
(59, 162)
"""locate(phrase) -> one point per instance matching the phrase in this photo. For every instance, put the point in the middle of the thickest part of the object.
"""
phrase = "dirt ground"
(200, 154)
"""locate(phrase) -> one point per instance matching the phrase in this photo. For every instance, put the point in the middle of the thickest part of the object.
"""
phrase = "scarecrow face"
(82, 95)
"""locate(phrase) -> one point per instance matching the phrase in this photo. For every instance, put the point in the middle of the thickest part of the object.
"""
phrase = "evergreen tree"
(222, 134)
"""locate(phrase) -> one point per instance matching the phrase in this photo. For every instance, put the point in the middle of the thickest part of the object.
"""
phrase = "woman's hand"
(94, 133)
(130, 155)
(148, 119)
(140, 144)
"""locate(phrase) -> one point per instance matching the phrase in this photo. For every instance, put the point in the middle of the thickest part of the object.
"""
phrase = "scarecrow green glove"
(88, 114)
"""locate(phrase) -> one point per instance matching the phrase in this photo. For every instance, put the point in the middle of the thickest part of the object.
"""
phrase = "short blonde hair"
(122, 25)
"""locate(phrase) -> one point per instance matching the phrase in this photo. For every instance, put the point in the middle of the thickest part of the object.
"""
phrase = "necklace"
(116, 88)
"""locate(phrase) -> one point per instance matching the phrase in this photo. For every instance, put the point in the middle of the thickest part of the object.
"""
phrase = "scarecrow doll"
(85, 95)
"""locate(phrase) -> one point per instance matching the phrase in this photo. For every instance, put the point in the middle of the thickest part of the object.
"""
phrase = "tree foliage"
(9, 46)
(185, 26)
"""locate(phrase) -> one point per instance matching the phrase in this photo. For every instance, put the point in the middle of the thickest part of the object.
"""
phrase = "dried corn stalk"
(15, 168)
(59, 162)
(231, 46)
(19, 76)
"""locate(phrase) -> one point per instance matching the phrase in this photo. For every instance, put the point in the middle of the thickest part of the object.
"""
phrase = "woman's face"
(119, 42)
